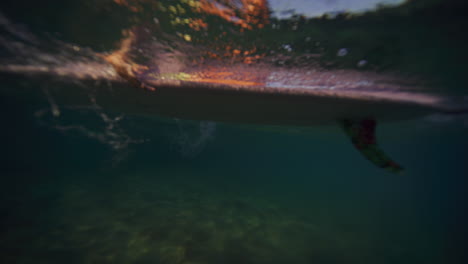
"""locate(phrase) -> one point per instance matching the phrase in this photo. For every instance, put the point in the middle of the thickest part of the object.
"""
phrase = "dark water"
(203, 192)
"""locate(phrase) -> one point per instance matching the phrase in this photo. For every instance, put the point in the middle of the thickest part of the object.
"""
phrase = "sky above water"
(313, 8)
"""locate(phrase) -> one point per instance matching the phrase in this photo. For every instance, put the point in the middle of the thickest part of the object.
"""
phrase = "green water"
(251, 196)
(245, 194)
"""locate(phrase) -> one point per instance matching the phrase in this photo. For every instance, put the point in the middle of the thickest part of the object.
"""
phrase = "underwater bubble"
(192, 140)
(287, 47)
(342, 52)
(362, 63)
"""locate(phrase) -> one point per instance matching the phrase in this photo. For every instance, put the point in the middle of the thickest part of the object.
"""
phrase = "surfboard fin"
(362, 134)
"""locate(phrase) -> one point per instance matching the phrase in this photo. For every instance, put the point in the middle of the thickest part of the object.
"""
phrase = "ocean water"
(173, 191)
